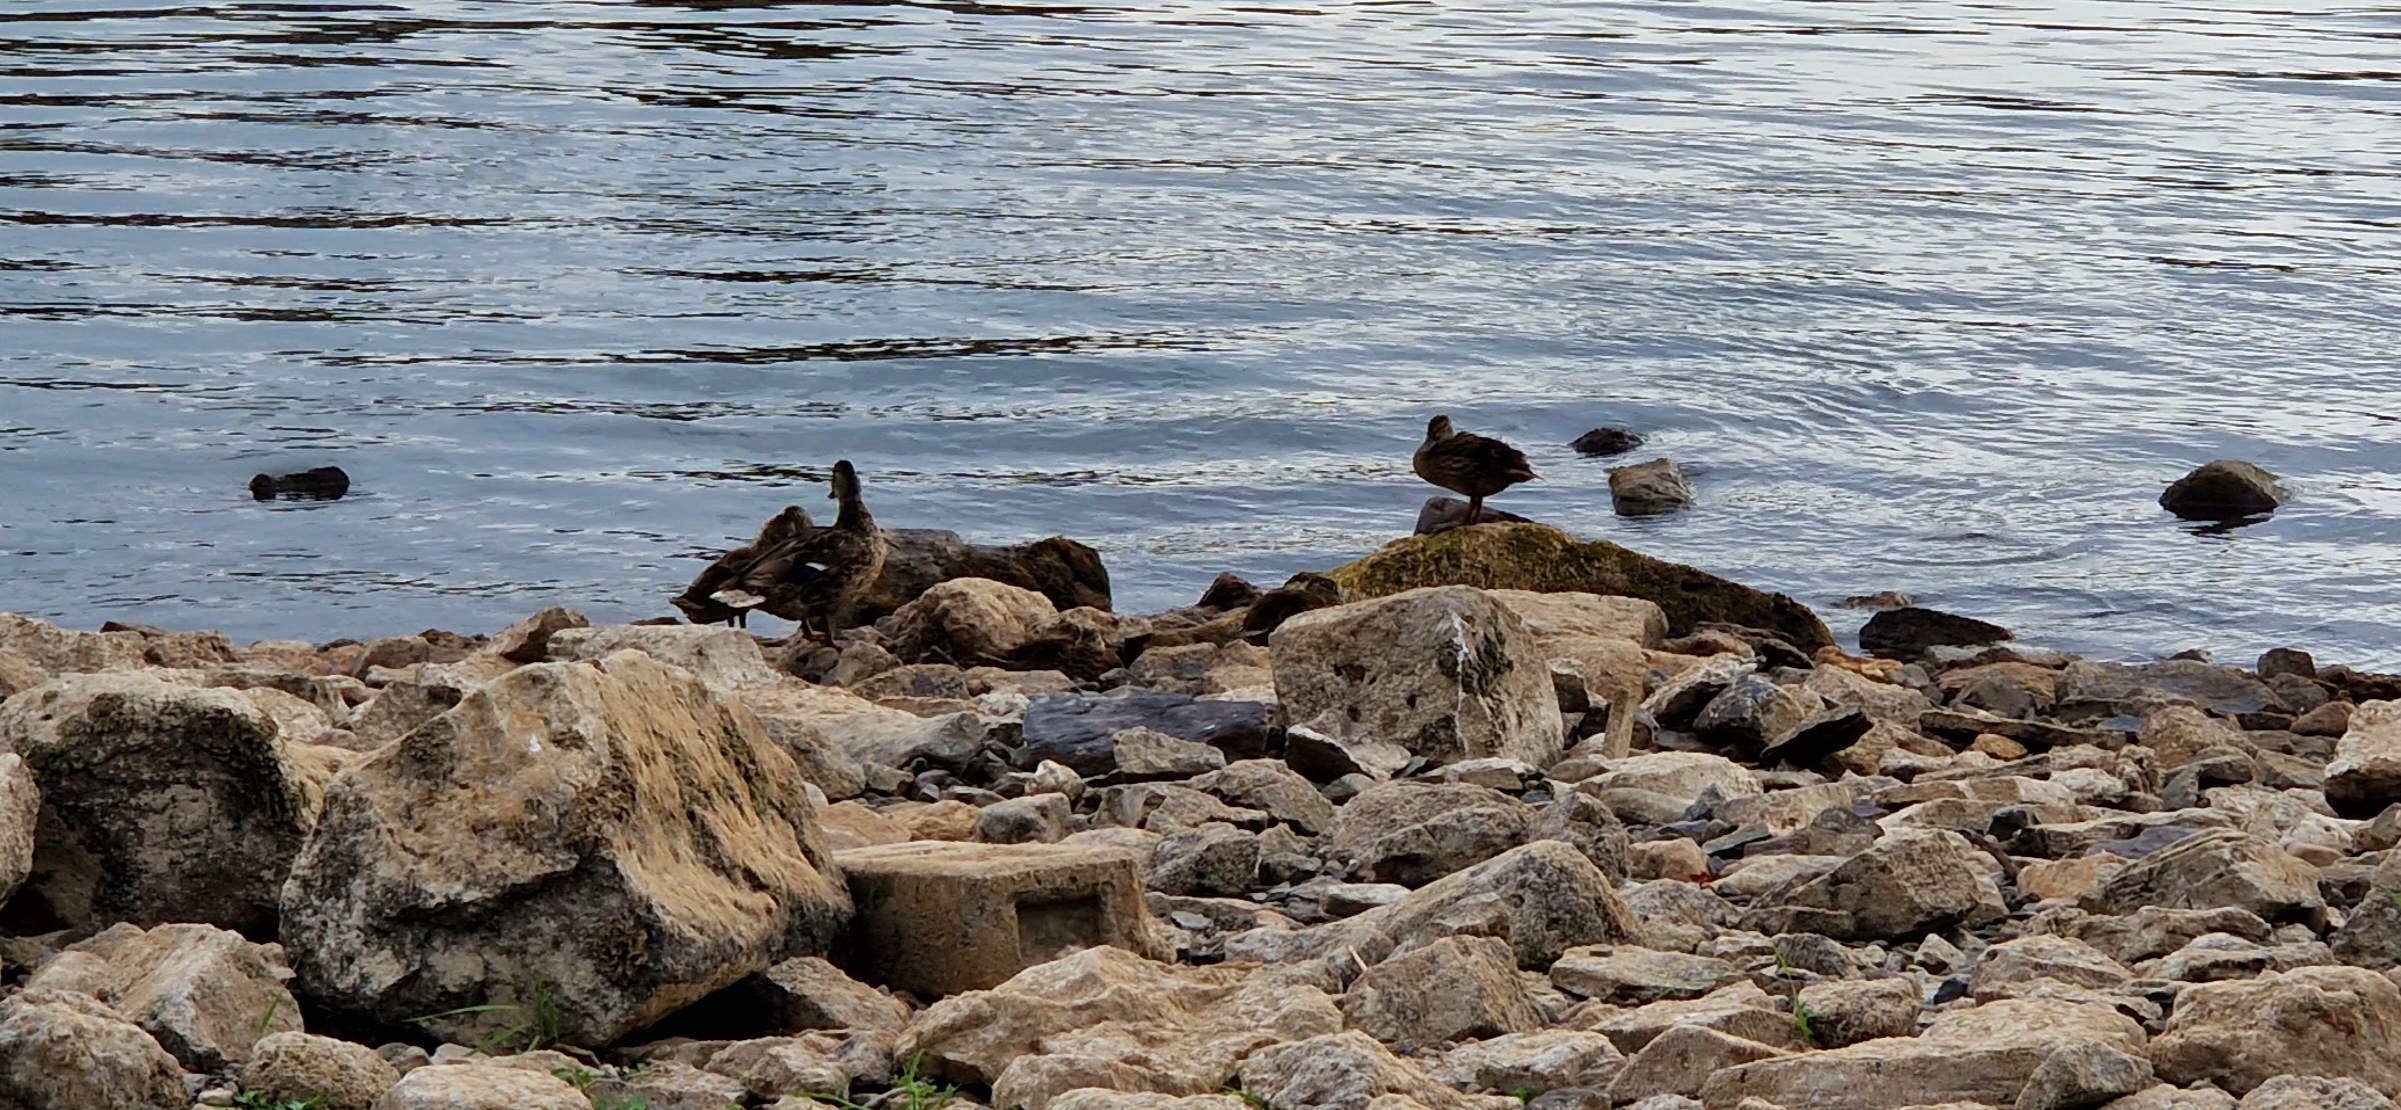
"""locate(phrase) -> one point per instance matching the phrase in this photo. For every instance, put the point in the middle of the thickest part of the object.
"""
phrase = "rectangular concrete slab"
(939, 917)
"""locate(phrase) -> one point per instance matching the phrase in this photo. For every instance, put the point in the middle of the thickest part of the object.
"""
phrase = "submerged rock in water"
(1070, 574)
(324, 483)
(1649, 489)
(1907, 633)
(1441, 514)
(1546, 560)
(1601, 442)
(2228, 489)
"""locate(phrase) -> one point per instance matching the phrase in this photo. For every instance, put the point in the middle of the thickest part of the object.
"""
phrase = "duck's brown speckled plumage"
(700, 607)
(1472, 466)
(816, 578)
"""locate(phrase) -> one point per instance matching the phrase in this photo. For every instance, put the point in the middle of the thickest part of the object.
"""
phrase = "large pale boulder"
(20, 808)
(1678, 775)
(584, 847)
(2365, 775)
(1174, 1030)
(65, 1051)
(479, 1086)
(1600, 640)
(2222, 868)
(969, 621)
(1349, 1071)
(203, 993)
(832, 733)
(1414, 833)
(2338, 1022)
(1455, 989)
(58, 650)
(1982, 1055)
(1448, 672)
(1547, 560)
(299, 1067)
(723, 656)
(1545, 898)
(1911, 882)
(159, 802)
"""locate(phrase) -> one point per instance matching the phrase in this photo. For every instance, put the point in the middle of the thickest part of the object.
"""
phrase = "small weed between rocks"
(261, 1100)
(1255, 1101)
(1800, 1014)
(539, 1031)
(582, 1080)
(909, 1091)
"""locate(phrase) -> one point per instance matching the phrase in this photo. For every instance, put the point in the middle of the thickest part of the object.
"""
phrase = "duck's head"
(846, 482)
(1440, 428)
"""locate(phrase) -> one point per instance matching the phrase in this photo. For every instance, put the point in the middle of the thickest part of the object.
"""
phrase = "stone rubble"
(1378, 840)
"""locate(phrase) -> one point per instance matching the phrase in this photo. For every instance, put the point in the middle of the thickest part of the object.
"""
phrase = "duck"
(818, 577)
(1473, 466)
(699, 607)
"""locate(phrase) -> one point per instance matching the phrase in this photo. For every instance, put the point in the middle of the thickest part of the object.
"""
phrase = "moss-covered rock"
(1541, 558)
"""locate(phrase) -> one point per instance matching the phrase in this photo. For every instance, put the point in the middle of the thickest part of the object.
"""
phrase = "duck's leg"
(1475, 508)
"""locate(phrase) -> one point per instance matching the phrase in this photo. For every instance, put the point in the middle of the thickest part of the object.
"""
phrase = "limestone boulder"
(1985, 1055)
(2336, 1022)
(1680, 1060)
(1678, 775)
(2365, 776)
(1454, 989)
(1738, 1009)
(1627, 975)
(968, 621)
(834, 734)
(1174, 1030)
(2077, 1076)
(807, 992)
(159, 803)
(2165, 1097)
(1846, 1012)
(721, 656)
(1544, 897)
(1270, 787)
(20, 809)
(1414, 833)
(2219, 869)
(1545, 560)
(61, 1050)
(1447, 672)
(204, 994)
(1546, 1060)
(2012, 965)
(589, 847)
(1212, 860)
(528, 640)
(57, 651)
(1909, 883)
(2311, 1092)
(297, 1067)
(1347, 1071)
(479, 1086)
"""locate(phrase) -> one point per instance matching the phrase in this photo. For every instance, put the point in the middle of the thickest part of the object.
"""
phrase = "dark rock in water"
(2359, 686)
(1070, 574)
(1905, 634)
(1817, 738)
(1606, 441)
(1229, 591)
(324, 483)
(2228, 489)
(1649, 489)
(1081, 732)
(1299, 594)
(1888, 599)
(2287, 661)
(1441, 514)
(1544, 559)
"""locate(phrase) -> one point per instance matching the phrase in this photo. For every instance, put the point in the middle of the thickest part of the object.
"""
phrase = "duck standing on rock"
(819, 576)
(700, 608)
(1473, 466)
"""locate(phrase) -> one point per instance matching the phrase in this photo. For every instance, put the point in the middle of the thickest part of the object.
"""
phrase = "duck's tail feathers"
(739, 599)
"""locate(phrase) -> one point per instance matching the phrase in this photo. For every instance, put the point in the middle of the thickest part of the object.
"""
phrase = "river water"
(1926, 296)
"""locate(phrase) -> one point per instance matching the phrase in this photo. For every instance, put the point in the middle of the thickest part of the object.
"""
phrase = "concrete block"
(936, 918)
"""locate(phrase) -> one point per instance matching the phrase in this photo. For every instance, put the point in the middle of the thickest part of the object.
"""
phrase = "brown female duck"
(1472, 466)
(700, 608)
(820, 576)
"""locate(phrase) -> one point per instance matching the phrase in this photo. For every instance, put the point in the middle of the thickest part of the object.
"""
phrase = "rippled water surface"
(1927, 296)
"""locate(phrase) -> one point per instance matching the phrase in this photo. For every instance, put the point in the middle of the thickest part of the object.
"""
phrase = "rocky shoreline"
(1491, 818)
